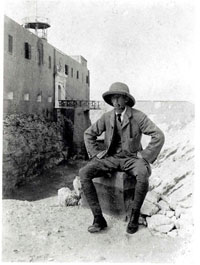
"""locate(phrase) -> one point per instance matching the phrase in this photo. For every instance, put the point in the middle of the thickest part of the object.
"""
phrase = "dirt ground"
(36, 229)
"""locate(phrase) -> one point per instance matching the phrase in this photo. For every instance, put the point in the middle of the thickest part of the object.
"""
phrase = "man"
(123, 127)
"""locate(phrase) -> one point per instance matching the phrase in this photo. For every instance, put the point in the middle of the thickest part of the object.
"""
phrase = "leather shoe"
(98, 224)
(133, 223)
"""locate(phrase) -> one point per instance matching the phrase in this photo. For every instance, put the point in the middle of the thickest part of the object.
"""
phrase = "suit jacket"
(135, 124)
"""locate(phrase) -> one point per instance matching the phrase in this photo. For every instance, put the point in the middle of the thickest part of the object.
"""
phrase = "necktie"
(119, 117)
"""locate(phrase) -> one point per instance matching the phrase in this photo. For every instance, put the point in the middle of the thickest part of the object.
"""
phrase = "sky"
(147, 44)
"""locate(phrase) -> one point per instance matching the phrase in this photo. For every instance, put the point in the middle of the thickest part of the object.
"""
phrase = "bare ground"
(36, 229)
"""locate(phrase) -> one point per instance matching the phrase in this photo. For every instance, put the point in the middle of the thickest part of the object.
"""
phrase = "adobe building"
(40, 79)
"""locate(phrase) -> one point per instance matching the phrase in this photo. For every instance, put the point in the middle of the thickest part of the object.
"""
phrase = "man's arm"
(90, 136)
(147, 127)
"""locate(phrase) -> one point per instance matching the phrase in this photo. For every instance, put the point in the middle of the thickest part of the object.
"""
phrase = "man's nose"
(115, 101)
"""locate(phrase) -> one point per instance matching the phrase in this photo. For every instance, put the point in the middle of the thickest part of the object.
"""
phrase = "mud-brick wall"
(30, 144)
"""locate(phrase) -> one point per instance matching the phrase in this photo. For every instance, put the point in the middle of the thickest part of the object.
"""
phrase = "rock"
(177, 223)
(154, 182)
(170, 214)
(152, 196)
(173, 218)
(149, 208)
(180, 171)
(173, 233)
(160, 223)
(163, 205)
(179, 210)
(162, 212)
(180, 194)
(165, 228)
(66, 197)
(77, 186)
(187, 202)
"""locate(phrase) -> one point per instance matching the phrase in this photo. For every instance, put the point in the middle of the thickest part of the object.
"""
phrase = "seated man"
(123, 127)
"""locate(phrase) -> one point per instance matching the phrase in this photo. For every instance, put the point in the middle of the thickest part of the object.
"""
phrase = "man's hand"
(139, 155)
(101, 154)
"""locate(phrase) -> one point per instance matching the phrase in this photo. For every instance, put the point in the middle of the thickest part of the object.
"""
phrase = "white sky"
(147, 44)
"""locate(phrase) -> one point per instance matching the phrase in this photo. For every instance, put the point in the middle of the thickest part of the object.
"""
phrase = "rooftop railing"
(89, 104)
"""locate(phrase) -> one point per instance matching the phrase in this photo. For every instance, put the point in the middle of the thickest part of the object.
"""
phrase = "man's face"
(119, 103)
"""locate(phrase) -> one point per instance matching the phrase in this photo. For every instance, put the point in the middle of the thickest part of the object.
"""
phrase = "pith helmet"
(118, 89)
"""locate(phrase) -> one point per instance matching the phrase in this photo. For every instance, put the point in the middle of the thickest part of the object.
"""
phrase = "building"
(40, 79)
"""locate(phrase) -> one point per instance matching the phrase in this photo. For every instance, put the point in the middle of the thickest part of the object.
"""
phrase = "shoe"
(133, 223)
(98, 224)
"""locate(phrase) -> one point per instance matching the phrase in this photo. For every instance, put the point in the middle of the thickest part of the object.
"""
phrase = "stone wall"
(31, 144)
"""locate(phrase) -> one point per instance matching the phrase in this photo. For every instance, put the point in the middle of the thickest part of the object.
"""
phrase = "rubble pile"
(30, 144)
(67, 197)
(168, 204)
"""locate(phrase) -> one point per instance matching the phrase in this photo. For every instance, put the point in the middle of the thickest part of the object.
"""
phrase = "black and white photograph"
(99, 160)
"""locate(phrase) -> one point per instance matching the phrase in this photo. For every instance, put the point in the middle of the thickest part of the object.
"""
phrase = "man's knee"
(141, 171)
(83, 173)
(87, 172)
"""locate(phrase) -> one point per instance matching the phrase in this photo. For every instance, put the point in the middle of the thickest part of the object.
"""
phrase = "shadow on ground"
(48, 183)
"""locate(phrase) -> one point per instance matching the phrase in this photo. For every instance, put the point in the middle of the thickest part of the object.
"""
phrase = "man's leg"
(95, 168)
(141, 170)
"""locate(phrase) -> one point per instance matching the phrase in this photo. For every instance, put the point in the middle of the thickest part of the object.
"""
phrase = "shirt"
(122, 114)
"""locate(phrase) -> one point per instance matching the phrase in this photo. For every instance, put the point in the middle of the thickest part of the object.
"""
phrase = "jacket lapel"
(127, 117)
(112, 119)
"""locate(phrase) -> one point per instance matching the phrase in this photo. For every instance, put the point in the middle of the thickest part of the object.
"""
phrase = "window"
(39, 98)
(66, 69)
(27, 50)
(88, 78)
(49, 62)
(59, 92)
(26, 97)
(40, 53)
(49, 99)
(72, 72)
(77, 74)
(10, 95)
(10, 44)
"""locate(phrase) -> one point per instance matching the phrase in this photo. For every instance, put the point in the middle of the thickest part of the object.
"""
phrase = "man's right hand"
(101, 154)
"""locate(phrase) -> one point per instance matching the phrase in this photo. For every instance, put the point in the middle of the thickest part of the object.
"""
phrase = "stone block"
(163, 205)
(115, 193)
(152, 196)
(160, 223)
(149, 208)
(173, 233)
(170, 214)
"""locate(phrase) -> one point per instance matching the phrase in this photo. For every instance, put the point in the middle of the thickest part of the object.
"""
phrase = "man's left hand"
(139, 155)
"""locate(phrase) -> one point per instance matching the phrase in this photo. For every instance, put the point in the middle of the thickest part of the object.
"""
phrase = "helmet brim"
(108, 95)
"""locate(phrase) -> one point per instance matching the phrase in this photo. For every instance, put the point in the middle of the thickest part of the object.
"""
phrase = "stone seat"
(115, 193)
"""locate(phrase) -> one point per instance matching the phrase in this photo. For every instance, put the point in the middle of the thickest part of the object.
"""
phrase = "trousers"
(135, 167)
